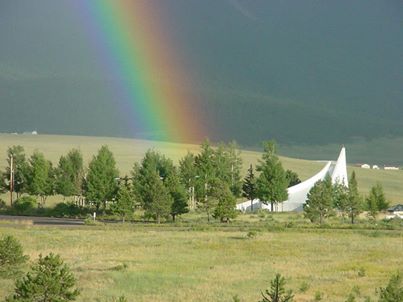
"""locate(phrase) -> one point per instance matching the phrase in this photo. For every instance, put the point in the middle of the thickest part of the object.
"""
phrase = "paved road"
(43, 220)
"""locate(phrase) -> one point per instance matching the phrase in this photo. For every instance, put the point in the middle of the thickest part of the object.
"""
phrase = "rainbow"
(149, 83)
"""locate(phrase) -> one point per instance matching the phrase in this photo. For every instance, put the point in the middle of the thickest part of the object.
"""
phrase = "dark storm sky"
(297, 71)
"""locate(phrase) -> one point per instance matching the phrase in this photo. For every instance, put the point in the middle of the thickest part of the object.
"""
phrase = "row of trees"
(325, 198)
(210, 180)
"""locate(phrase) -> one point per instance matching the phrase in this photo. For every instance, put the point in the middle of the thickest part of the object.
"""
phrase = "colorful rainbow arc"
(132, 42)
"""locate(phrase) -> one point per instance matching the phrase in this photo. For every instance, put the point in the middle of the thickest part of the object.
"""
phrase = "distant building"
(395, 212)
(375, 167)
(365, 166)
(297, 195)
(34, 132)
(390, 168)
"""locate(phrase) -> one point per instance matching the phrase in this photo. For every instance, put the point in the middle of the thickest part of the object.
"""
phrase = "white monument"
(297, 195)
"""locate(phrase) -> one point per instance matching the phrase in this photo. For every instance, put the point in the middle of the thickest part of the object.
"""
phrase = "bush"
(50, 280)
(66, 209)
(24, 205)
(393, 292)
(11, 254)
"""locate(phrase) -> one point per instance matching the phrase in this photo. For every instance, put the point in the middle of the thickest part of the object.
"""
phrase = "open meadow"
(195, 263)
(129, 151)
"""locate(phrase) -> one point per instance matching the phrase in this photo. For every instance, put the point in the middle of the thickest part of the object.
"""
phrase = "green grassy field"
(180, 264)
(128, 151)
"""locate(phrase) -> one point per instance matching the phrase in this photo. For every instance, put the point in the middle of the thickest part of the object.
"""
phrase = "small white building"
(390, 168)
(365, 166)
(375, 167)
(297, 195)
(395, 212)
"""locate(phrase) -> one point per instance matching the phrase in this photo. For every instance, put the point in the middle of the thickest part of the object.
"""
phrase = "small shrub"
(236, 299)
(393, 292)
(351, 298)
(251, 234)
(121, 299)
(24, 205)
(304, 287)
(120, 267)
(277, 291)
(361, 272)
(318, 296)
(49, 280)
(356, 290)
(11, 252)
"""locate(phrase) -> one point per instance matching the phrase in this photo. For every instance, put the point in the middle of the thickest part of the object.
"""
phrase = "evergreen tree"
(177, 192)
(69, 174)
(204, 188)
(277, 292)
(272, 183)
(354, 199)
(151, 180)
(249, 186)
(292, 178)
(319, 203)
(11, 252)
(101, 182)
(157, 201)
(20, 167)
(381, 202)
(124, 203)
(225, 209)
(40, 176)
(376, 201)
(340, 197)
(50, 280)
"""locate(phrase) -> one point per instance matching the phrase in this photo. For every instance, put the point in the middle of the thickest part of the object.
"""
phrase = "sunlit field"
(185, 263)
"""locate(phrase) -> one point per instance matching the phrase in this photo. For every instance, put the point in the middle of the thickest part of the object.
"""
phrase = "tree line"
(210, 181)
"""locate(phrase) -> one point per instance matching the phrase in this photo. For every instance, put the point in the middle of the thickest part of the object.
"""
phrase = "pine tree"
(151, 180)
(272, 183)
(124, 204)
(207, 179)
(277, 292)
(157, 201)
(69, 174)
(376, 201)
(226, 203)
(101, 182)
(50, 280)
(177, 192)
(354, 199)
(319, 203)
(40, 176)
(249, 186)
(292, 178)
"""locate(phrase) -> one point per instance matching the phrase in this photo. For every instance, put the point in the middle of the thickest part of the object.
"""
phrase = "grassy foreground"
(128, 151)
(167, 263)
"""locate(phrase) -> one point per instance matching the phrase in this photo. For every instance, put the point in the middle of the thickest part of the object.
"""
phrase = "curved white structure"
(297, 194)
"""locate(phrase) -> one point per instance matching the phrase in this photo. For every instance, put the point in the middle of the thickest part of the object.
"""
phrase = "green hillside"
(128, 151)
